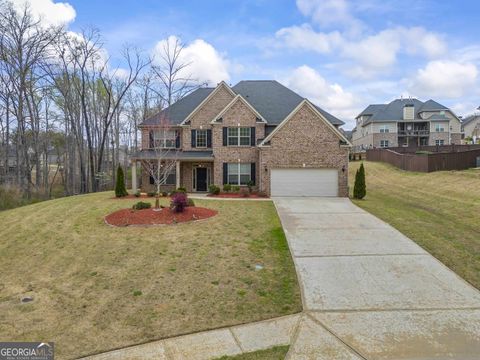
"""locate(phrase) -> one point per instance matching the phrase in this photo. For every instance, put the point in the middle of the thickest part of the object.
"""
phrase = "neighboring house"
(258, 131)
(406, 122)
(471, 127)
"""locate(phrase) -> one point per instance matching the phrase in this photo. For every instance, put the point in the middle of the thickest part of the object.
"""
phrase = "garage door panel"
(304, 182)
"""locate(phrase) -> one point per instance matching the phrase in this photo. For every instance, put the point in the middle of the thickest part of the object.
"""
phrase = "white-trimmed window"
(239, 174)
(439, 142)
(384, 129)
(164, 138)
(383, 143)
(439, 128)
(201, 140)
(239, 136)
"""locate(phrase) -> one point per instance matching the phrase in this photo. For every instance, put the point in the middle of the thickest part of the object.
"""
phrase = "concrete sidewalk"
(371, 293)
(212, 344)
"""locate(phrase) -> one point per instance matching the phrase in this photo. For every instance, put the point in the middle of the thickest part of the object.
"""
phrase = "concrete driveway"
(369, 292)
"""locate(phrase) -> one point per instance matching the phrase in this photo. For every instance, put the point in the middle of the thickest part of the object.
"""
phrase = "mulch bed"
(128, 217)
(236, 196)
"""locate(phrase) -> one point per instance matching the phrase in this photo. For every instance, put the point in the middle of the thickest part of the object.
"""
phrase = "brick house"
(406, 122)
(255, 131)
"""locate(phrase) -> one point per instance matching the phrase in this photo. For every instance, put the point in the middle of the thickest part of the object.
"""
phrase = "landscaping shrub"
(190, 202)
(137, 194)
(120, 190)
(142, 205)
(227, 188)
(179, 202)
(182, 189)
(164, 194)
(151, 193)
(213, 189)
(235, 188)
(359, 188)
(250, 185)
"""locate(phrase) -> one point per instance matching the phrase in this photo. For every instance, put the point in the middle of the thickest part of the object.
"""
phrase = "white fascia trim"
(231, 103)
(289, 116)
(222, 84)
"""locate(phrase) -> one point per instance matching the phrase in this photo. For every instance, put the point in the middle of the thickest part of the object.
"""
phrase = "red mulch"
(236, 196)
(126, 217)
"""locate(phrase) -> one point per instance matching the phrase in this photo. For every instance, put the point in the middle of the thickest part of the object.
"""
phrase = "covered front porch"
(192, 170)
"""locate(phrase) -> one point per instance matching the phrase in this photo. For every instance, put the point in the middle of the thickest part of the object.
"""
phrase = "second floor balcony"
(417, 132)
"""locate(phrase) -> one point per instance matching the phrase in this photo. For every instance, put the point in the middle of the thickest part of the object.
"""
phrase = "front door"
(201, 184)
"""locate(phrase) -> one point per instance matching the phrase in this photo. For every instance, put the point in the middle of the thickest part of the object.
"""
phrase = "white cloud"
(49, 11)
(304, 37)
(206, 64)
(328, 13)
(378, 53)
(331, 97)
(369, 55)
(445, 78)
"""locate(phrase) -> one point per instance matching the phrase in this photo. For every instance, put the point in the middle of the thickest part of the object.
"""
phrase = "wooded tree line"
(67, 114)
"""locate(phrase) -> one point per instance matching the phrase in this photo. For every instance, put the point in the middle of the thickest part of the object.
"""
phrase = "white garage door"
(304, 182)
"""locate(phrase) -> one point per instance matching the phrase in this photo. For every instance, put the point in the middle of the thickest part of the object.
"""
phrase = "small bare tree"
(164, 146)
(171, 70)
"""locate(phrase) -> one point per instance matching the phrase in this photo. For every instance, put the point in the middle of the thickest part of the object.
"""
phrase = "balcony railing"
(413, 132)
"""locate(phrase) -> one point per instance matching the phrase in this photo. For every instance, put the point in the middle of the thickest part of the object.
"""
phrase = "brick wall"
(241, 114)
(438, 136)
(456, 138)
(205, 115)
(391, 137)
(304, 139)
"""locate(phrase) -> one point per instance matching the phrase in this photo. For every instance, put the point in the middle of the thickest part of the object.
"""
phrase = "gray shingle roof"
(179, 110)
(469, 119)
(273, 100)
(270, 98)
(393, 111)
(431, 105)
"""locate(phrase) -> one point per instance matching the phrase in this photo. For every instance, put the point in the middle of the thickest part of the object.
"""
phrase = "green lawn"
(440, 211)
(96, 287)
(275, 353)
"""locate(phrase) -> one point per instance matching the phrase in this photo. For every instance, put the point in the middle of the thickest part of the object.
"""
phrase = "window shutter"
(253, 173)
(194, 138)
(177, 139)
(152, 180)
(225, 173)
(209, 138)
(150, 139)
(252, 137)
(225, 136)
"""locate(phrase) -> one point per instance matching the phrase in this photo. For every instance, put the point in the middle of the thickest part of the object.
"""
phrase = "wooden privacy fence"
(459, 159)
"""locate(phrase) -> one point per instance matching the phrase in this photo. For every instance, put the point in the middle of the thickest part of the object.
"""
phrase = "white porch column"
(177, 173)
(134, 175)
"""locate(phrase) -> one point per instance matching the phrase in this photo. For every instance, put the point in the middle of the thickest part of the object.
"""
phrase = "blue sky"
(341, 54)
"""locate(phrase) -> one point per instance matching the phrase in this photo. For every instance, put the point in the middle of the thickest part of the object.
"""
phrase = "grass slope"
(439, 210)
(275, 353)
(97, 287)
